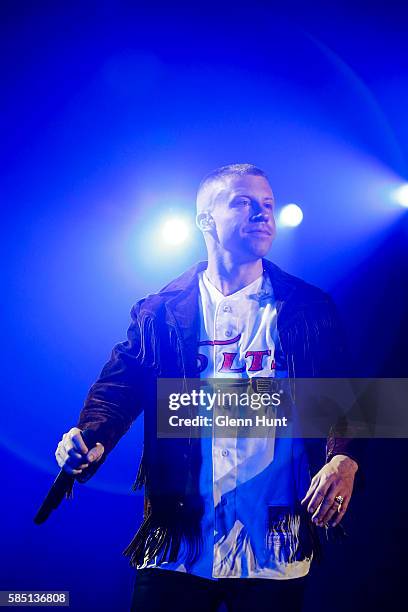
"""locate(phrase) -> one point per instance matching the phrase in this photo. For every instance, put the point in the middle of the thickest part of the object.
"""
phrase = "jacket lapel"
(182, 312)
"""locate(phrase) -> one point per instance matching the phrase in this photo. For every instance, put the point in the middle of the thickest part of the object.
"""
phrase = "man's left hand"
(335, 478)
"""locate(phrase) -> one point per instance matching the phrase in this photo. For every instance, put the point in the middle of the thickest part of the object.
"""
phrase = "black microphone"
(62, 484)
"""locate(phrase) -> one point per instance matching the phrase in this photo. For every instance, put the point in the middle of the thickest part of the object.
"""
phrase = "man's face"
(243, 216)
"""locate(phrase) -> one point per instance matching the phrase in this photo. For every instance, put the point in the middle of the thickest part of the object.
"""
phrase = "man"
(225, 519)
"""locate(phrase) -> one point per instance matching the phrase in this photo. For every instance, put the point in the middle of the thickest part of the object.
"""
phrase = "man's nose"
(260, 216)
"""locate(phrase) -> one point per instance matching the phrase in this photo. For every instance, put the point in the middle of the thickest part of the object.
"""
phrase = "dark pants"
(156, 590)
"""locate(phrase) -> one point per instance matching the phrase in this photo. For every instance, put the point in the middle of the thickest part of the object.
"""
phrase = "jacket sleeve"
(345, 435)
(114, 400)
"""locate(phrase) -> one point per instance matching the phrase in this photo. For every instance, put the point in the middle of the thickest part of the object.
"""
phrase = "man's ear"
(205, 222)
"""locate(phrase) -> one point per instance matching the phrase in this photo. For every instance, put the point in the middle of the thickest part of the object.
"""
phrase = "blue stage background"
(111, 114)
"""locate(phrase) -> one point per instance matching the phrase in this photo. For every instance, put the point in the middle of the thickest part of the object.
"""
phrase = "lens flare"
(175, 231)
(401, 195)
(291, 215)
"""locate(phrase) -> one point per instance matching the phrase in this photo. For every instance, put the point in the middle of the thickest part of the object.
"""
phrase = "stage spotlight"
(291, 215)
(401, 195)
(175, 231)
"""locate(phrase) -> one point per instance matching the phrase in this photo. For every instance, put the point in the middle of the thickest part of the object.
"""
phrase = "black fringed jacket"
(162, 341)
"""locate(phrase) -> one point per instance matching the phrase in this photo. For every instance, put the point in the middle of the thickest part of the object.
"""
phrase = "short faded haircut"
(204, 203)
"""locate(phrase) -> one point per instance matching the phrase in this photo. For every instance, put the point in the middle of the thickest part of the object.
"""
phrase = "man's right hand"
(73, 455)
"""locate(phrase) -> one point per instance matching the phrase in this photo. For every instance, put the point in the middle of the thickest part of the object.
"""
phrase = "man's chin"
(251, 251)
(254, 253)
(260, 249)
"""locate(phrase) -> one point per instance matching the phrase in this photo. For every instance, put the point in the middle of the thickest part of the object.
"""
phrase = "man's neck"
(229, 277)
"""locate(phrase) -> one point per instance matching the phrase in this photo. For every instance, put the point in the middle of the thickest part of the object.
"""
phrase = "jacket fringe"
(149, 353)
(140, 480)
(291, 536)
(154, 542)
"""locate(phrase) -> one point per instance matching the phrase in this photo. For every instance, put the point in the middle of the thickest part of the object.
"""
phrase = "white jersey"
(247, 484)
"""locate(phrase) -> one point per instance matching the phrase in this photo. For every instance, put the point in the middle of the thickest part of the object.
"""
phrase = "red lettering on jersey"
(227, 364)
(256, 364)
(202, 360)
(257, 359)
